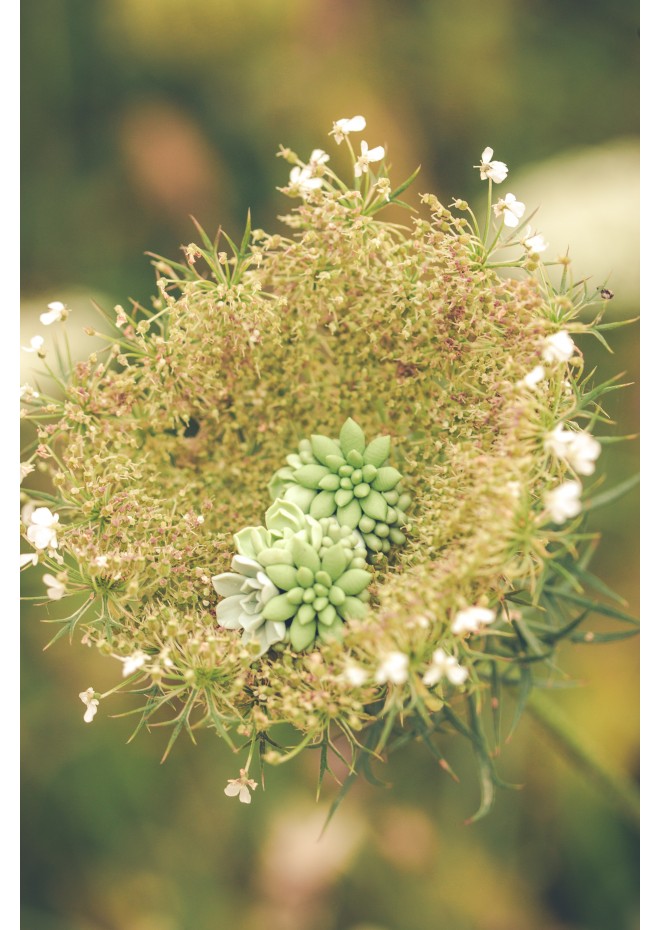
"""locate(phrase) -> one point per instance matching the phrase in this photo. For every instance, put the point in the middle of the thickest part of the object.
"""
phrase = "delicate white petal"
(233, 788)
(42, 516)
(486, 155)
(357, 124)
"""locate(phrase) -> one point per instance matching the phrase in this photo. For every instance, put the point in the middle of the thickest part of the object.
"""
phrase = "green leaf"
(334, 561)
(375, 506)
(591, 637)
(301, 635)
(350, 514)
(284, 576)
(323, 505)
(387, 478)
(275, 556)
(306, 614)
(310, 475)
(330, 483)
(354, 581)
(352, 609)
(351, 437)
(334, 462)
(597, 607)
(377, 451)
(304, 556)
(613, 494)
(322, 447)
(279, 609)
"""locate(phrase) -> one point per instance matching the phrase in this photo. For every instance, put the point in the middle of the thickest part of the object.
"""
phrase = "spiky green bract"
(306, 577)
(350, 480)
(159, 449)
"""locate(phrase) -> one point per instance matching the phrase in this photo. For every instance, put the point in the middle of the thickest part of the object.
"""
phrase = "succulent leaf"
(310, 475)
(377, 451)
(351, 437)
(387, 478)
(322, 446)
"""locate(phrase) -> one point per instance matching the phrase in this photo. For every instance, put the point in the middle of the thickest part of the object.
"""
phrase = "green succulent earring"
(295, 581)
(350, 480)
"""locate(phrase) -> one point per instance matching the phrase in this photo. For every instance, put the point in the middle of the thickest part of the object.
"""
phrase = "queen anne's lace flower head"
(340, 614)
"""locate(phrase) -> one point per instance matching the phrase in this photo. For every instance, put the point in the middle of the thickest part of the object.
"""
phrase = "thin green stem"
(571, 744)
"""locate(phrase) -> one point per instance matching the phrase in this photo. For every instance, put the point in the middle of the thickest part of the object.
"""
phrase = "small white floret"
(133, 662)
(366, 157)
(559, 347)
(446, 666)
(472, 620)
(42, 531)
(495, 171)
(393, 668)
(533, 377)
(563, 502)
(342, 127)
(88, 699)
(56, 311)
(510, 209)
(36, 344)
(54, 587)
(241, 787)
(534, 244)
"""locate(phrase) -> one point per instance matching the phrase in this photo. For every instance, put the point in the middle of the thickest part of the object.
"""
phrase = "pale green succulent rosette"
(296, 580)
(350, 480)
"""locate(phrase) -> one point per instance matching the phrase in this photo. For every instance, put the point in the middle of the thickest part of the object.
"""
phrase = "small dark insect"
(606, 294)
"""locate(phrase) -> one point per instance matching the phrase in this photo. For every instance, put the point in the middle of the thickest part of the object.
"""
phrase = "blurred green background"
(138, 113)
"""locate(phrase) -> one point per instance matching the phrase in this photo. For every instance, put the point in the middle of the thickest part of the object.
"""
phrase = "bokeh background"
(139, 113)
